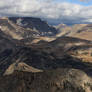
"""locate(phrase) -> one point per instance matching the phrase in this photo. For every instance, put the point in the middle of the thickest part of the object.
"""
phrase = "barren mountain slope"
(82, 31)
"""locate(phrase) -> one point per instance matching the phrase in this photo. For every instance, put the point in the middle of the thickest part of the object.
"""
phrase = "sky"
(53, 11)
(81, 2)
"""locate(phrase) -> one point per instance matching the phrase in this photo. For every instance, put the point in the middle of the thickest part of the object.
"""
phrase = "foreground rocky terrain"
(43, 63)
(60, 80)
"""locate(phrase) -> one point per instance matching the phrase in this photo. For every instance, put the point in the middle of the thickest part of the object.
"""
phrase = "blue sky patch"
(80, 2)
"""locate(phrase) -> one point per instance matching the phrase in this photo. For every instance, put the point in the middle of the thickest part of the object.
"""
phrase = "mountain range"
(82, 31)
(37, 57)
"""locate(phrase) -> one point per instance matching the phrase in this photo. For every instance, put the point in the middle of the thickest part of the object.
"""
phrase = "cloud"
(49, 10)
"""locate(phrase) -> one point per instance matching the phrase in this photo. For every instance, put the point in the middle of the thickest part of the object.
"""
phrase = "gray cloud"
(47, 9)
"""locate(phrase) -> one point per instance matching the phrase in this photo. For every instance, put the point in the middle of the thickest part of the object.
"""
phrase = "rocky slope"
(82, 31)
(43, 56)
(60, 80)
(79, 48)
(27, 30)
(6, 43)
(36, 24)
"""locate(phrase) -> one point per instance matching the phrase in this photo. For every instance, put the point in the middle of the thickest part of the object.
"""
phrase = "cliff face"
(35, 24)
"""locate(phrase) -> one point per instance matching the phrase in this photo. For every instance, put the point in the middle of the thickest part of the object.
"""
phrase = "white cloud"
(47, 9)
